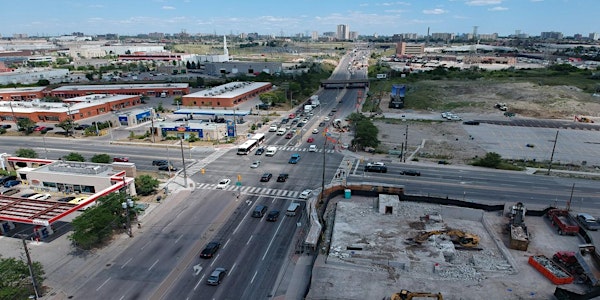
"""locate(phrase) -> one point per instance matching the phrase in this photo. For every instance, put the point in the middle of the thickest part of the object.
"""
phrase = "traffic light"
(239, 177)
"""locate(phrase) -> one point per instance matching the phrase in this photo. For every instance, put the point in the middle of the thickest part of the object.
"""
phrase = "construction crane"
(407, 295)
(464, 239)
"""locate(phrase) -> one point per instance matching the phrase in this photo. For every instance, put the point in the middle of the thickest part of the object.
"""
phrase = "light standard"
(126, 205)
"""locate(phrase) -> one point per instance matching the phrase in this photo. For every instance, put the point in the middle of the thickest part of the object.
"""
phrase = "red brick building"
(227, 95)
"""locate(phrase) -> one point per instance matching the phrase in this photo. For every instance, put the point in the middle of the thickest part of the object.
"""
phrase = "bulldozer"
(461, 238)
(407, 295)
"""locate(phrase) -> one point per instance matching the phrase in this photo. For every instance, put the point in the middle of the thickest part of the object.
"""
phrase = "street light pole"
(30, 266)
(126, 205)
(183, 161)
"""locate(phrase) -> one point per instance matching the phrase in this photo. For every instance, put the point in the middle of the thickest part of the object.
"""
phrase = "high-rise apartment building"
(314, 35)
(343, 32)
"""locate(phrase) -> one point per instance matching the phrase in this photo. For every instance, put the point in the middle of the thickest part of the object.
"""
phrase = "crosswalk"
(300, 149)
(254, 190)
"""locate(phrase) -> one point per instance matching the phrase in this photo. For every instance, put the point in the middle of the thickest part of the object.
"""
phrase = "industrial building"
(226, 95)
(22, 93)
(242, 67)
(406, 49)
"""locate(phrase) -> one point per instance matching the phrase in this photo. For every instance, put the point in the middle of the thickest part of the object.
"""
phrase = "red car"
(289, 135)
(39, 128)
(291, 116)
(310, 140)
(121, 159)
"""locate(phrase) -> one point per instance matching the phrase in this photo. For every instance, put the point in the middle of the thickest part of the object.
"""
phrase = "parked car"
(121, 159)
(9, 192)
(216, 276)
(39, 128)
(588, 222)
(6, 126)
(6, 178)
(167, 168)
(223, 183)
(282, 177)
(27, 195)
(294, 158)
(305, 194)
(40, 197)
(159, 162)
(273, 216)
(255, 164)
(210, 249)
(410, 173)
(82, 126)
(12, 183)
(66, 199)
(266, 177)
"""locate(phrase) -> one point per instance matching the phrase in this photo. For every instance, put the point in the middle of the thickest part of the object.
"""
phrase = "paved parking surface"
(572, 145)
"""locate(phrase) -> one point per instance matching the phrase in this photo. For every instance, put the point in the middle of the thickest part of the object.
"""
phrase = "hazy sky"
(130, 17)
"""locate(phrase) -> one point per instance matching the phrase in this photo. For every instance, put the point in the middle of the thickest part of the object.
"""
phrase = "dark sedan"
(210, 250)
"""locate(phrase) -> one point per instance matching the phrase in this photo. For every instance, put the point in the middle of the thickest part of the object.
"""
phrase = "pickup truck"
(563, 221)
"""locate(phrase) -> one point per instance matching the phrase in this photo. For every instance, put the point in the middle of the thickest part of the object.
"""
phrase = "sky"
(290, 17)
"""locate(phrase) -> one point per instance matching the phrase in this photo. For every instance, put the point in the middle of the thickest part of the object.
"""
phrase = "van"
(259, 211)
(273, 128)
(271, 151)
(281, 131)
(292, 209)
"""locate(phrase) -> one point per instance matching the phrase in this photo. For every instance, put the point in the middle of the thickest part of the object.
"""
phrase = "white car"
(223, 183)
(255, 164)
(312, 148)
(40, 197)
(326, 119)
(316, 130)
(305, 194)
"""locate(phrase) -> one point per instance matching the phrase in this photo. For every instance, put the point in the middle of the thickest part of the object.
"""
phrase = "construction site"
(383, 248)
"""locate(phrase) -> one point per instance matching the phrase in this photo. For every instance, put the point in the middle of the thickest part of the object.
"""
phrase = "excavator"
(464, 239)
(406, 295)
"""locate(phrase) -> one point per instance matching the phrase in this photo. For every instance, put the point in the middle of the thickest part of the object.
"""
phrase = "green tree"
(15, 279)
(43, 82)
(100, 158)
(74, 157)
(67, 125)
(146, 184)
(365, 134)
(490, 160)
(26, 152)
(26, 124)
(96, 225)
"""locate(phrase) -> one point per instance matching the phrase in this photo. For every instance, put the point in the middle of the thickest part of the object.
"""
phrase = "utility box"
(347, 193)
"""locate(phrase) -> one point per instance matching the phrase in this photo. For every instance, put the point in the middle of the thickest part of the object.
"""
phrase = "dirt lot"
(437, 140)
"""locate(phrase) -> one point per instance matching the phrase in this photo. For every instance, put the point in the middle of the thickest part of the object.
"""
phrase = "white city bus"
(259, 138)
(246, 147)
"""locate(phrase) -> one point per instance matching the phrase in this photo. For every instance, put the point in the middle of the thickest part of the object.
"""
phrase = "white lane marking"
(123, 266)
(177, 240)
(251, 281)
(148, 243)
(199, 281)
(232, 268)
(273, 238)
(152, 266)
(103, 284)
(249, 240)
(226, 243)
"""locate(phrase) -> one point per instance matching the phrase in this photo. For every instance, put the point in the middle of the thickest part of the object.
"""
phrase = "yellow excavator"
(406, 295)
(464, 239)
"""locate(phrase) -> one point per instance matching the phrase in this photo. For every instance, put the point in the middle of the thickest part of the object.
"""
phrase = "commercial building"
(151, 90)
(226, 95)
(22, 93)
(207, 131)
(76, 108)
(406, 49)
(343, 32)
(28, 76)
(242, 67)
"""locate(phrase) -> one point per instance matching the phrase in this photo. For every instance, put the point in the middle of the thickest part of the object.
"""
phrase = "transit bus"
(259, 138)
(247, 147)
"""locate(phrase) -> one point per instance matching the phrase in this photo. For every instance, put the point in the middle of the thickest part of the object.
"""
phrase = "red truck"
(564, 222)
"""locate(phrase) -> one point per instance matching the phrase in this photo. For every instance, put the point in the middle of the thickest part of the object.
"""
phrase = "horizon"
(269, 17)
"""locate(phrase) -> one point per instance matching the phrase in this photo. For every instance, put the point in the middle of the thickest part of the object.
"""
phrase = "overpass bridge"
(344, 83)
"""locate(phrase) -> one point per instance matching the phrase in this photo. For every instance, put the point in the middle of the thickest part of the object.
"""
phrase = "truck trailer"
(563, 221)
(397, 96)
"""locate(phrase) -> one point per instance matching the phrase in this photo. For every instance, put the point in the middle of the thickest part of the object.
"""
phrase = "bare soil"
(434, 141)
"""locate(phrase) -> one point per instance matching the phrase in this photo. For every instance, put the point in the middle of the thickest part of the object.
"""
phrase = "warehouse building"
(150, 90)
(226, 95)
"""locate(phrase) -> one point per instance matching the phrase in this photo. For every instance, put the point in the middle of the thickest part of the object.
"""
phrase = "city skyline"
(504, 17)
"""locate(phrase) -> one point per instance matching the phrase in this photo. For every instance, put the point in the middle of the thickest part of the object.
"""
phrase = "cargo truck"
(589, 260)
(308, 108)
(563, 221)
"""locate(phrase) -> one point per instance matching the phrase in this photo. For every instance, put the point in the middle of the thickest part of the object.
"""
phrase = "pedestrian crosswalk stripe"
(251, 190)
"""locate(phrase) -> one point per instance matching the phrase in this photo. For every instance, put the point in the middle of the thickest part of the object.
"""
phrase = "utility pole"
(552, 155)
(405, 144)
(13, 115)
(183, 161)
(30, 265)
(323, 175)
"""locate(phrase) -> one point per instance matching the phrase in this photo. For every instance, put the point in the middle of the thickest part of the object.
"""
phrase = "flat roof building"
(22, 93)
(226, 95)
(151, 89)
